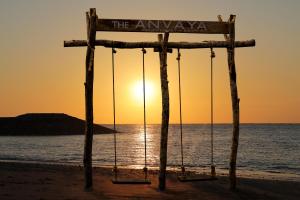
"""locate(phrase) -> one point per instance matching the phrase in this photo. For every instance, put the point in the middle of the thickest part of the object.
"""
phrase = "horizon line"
(205, 123)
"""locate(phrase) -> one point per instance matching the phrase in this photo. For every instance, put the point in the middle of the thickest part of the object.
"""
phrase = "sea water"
(271, 148)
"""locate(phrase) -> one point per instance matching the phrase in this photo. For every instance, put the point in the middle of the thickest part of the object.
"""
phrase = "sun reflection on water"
(139, 151)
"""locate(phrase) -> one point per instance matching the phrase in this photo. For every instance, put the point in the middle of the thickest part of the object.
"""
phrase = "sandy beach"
(44, 181)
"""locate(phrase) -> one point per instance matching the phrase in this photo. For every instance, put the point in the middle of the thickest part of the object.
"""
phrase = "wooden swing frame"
(95, 24)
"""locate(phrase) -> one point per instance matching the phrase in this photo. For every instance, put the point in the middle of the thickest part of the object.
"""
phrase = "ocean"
(270, 148)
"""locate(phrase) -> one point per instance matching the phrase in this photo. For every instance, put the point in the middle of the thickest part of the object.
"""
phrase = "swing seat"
(195, 177)
(130, 181)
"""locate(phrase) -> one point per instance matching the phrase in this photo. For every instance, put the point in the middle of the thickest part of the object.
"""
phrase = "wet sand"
(43, 181)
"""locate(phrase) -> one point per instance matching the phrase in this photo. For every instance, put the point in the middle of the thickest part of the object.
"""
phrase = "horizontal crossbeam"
(180, 45)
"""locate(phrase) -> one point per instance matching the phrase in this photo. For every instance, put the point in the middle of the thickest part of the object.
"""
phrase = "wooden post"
(89, 81)
(235, 104)
(165, 110)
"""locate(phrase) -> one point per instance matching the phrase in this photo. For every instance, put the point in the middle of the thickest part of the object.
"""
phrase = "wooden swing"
(116, 179)
(95, 24)
(184, 176)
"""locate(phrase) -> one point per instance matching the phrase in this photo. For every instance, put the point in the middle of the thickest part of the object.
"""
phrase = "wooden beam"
(235, 104)
(169, 50)
(89, 82)
(221, 20)
(160, 26)
(181, 45)
(165, 110)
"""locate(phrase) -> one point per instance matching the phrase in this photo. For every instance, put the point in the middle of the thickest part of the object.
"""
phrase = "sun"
(137, 91)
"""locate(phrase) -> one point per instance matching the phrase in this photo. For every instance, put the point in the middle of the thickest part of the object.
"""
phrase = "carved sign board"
(130, 25)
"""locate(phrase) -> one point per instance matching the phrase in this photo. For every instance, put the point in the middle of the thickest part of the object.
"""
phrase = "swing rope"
(212, 55)
(180, 110)
(113, 52)
(145, 131)
(115, 169)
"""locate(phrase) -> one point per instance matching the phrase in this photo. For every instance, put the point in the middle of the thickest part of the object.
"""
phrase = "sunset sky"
(39, 75)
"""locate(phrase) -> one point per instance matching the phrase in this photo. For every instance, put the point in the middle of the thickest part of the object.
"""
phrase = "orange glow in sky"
(39, 75)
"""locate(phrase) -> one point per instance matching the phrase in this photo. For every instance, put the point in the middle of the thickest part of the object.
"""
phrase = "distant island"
(46, 124)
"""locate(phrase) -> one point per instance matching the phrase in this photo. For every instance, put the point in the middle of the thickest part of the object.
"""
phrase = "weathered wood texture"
(235, 104)
(165, 110)
(181, 45)
(225, 35)
(172, 26)
(89, 81)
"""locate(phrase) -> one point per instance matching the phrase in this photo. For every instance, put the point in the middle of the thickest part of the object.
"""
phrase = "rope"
(180, 110)
(113, 51)
(212, 55)
(114, 113)
(144, 96)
